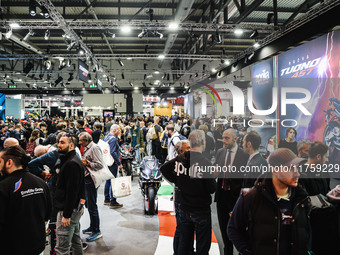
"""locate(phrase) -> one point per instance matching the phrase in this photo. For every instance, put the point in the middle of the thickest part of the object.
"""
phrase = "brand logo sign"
(239, 100)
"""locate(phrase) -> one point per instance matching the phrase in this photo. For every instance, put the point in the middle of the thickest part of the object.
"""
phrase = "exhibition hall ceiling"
(133, 43)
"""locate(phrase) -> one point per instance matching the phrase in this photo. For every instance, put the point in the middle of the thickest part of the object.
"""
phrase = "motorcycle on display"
(127, 154)
(150, 178)
(331, 135)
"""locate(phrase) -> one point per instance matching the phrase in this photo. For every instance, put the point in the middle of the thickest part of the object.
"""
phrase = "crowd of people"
(46, 166)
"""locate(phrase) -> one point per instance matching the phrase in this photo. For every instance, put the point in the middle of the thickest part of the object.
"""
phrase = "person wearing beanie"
(273, 217)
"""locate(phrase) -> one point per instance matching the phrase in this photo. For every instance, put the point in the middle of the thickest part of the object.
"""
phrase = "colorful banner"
(314, 67)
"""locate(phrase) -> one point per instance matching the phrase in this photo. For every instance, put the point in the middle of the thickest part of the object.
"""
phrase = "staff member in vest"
(92, 160)
(25, 203)
(272, 218)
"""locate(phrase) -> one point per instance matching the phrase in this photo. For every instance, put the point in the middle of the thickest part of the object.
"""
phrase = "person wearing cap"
(273, 217)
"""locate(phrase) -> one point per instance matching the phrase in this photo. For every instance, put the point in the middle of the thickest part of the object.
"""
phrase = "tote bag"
(101, 175)
(121, 186)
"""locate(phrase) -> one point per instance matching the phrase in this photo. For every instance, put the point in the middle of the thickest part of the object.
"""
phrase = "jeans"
(69, 236)
(107, 189)
(137, 156)
(200, 223)
(91, 203)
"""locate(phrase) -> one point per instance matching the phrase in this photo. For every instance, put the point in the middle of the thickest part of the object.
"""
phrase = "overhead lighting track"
(140, 25)
(116, 56)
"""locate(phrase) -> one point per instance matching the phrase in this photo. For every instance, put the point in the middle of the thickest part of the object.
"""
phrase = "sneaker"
(94, 236)
(115, 205)
(87, 231)
(85, 245)
(107, 202)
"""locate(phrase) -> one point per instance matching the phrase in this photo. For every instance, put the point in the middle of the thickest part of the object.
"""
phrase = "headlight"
(158, 175)
(145, 176)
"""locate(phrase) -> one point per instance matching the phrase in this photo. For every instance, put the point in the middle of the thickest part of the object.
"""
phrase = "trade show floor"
(128, 230)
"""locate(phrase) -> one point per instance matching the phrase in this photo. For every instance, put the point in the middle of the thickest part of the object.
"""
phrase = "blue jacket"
(114, 147)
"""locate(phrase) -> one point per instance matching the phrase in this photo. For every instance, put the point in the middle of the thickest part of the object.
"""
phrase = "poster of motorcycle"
(309, 89)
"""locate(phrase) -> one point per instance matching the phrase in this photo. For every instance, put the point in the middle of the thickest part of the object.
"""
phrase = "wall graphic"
(314, 66)
(2, 106)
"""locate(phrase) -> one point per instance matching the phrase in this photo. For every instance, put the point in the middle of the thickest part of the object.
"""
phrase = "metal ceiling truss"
(114, 56)
(62, 24)
(136, 25)
(310, 15)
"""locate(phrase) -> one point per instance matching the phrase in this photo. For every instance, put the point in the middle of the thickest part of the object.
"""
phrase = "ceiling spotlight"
(44, 12)
(120, 62)
(58, 81)
(156, 72)
(71, 77)
(150, 12)
(47, 35)
(161, 56)
(125, 29)
(9, 33)
(131, 84)
(254, 34)
(213, 70)
(238, 31)
(218, 37)
(14, 25)
(71, 45)
(159, 34)
(32, 8)
(251, 56)
(227, 62)
(123, 77)
(173, 26)
(149, 76)
(256, 45)
(270, 17)
(30, 33)
(143, 33)
(81, 51)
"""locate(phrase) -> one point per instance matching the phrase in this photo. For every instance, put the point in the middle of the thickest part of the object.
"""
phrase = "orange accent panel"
(167, 225)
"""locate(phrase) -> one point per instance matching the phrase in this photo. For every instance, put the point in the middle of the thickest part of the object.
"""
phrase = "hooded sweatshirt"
(194, 190)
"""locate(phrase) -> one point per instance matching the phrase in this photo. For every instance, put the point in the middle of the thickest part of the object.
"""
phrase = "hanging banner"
(83, 71)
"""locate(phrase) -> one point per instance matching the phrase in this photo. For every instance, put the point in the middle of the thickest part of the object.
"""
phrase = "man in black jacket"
(256, 163)
(69, 198)
(273, 217)
(25, 205)
(228, 189)
(194, 195)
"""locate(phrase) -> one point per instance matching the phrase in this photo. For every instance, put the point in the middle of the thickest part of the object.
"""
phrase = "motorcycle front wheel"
(151, 200)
